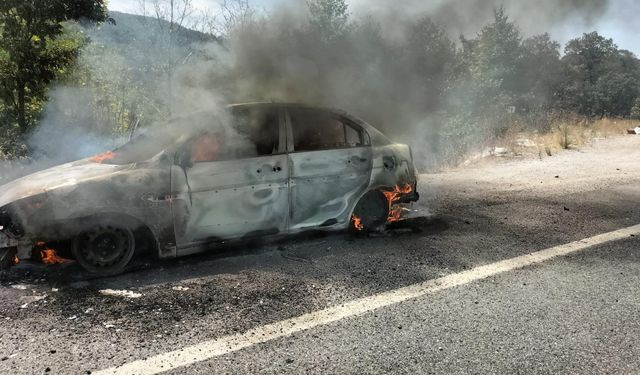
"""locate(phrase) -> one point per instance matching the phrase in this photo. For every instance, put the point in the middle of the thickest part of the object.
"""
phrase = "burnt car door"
(330, 159)
(235, 181)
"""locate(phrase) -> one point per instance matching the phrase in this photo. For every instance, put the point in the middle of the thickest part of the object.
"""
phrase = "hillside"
(131, 29)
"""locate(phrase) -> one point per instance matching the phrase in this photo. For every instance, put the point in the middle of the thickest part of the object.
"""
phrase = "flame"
(105, 156)
(16, 260)
(357, 223)
(395, 213)
(49, 256)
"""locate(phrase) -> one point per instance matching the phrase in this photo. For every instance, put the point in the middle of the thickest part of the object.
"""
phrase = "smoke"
(389, 64)
(465, 17)
(294, 56)
(59, 141)
(563, 20)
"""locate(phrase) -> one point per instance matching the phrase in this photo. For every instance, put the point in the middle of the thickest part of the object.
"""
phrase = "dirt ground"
(573, 314)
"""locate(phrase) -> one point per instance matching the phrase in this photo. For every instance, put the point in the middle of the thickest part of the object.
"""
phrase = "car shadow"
(236, 257)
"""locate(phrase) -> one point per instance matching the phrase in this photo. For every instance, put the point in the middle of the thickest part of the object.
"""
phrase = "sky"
(616, 20)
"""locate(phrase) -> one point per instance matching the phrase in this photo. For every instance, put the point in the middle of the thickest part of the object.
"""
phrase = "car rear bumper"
(413, 196)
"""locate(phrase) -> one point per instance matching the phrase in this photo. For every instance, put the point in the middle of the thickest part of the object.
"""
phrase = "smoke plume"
(390, 64)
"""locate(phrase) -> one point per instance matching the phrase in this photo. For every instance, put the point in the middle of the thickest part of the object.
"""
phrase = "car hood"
(65, 175)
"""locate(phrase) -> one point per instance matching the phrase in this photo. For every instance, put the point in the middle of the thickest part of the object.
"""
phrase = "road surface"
(454, 290)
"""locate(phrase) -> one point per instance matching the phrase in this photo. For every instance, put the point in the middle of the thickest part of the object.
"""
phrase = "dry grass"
(564, 132)
(567, 133)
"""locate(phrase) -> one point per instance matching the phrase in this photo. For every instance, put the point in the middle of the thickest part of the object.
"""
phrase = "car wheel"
(105, 247)
(372, 212)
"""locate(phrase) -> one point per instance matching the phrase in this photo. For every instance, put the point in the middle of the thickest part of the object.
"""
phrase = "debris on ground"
(120, 293)
(180, 288)
(21, 286)
(31, 299)
(635, 130)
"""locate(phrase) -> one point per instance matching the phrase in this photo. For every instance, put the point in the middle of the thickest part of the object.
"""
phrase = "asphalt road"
(578, 313)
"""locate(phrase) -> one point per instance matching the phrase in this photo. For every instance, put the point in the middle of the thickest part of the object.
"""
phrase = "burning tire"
(105, 247)
(371, 212)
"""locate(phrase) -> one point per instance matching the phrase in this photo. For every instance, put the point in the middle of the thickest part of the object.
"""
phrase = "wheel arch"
(373, 194)
(143, 232)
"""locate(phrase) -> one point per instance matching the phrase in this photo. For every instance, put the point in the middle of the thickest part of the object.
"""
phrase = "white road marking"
(228, 344)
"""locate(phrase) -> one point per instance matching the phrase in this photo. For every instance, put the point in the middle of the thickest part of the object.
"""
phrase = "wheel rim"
(104, 248)
(372, 209)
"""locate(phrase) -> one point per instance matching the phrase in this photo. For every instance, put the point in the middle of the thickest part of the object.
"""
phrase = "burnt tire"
(372, 210)
(105, 246)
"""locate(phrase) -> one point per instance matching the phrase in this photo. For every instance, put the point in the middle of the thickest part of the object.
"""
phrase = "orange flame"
(395, 213)
(49, 256)
(357, 223)
(16, 260)
(105, 156)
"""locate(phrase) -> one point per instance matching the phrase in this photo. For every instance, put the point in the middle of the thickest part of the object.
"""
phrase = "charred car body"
(250, 170)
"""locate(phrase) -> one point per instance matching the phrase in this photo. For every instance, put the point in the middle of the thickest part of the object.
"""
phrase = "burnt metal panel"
(230, 199)
(326, 185)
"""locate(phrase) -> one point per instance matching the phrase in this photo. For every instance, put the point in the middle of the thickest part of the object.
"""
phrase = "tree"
(540, 72)
(601, 80)
(329, 18)
(222, 22)
(635, 110)
(429, 56)
(494, 54)
(31, 52)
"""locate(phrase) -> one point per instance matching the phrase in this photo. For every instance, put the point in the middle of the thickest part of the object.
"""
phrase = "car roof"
(285, 104)
(377, 137)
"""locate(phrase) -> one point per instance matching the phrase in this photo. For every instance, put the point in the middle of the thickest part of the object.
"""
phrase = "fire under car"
(210, 178)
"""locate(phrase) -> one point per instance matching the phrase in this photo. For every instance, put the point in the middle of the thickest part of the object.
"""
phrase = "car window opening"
(250, 133)
(206, 147)
(314, 131)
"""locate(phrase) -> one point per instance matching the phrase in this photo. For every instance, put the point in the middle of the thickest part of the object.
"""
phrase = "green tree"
(487, 84)
(430, 56)
(635, 110)
(329, 18)
(32, 50)
(600, 79)
(493, 56)
(540, 73)
(430, 45)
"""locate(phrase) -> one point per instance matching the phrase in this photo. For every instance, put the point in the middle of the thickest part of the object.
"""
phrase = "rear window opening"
(315, 130)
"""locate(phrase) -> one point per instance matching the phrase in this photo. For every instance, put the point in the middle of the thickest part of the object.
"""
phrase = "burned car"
(248, 171)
